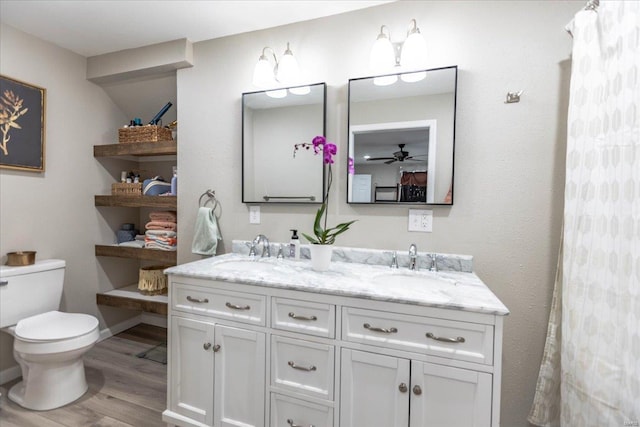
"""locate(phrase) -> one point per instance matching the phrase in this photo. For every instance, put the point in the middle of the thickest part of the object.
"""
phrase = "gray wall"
(52, 212)
(509, 173)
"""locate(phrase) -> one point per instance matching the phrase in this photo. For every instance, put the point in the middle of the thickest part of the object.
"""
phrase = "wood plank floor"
(124, 390)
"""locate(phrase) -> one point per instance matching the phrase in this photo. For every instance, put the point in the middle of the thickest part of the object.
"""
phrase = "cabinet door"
(449, 397)
(239, 377)
(191, 364)
(374, 390)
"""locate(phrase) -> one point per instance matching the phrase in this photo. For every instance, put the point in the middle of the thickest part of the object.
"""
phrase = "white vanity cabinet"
(264, 354)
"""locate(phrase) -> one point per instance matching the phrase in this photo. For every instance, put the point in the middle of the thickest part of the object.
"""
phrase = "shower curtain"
(590, 373)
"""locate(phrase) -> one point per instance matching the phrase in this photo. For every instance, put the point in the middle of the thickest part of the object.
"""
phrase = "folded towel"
(161, 225)
(160, 233)
(133, 244)
(160, 246)
(169, 216)
(206, 233)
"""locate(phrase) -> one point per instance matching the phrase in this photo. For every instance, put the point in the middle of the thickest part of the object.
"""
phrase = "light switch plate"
(420, 220)
(254, 214)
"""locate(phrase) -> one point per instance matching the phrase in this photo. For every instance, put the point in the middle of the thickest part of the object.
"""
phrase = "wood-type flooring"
(124, 390)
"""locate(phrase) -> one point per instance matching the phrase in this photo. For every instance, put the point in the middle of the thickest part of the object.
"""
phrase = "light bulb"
(288, 70)
(263, 73)
(278, 93)
(414, 51)
(382, 58)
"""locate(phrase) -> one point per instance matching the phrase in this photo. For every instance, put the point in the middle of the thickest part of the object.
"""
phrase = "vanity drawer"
(302, 366)
(237, 306)
(444, 338)
(287, 412)
(305, 317)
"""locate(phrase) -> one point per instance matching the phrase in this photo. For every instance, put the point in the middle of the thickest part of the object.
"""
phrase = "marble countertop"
(445, 289)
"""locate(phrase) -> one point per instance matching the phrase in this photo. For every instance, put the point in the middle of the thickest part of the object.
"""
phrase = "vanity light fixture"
(285, 71)
(387, 56)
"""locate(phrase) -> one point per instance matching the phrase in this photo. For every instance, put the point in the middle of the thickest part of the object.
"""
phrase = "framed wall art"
(22, 125)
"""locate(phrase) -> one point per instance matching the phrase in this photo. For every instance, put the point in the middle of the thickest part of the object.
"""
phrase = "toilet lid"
(55, 325)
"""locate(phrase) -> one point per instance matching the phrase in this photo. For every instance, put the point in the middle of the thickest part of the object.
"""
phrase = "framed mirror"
(402, 137)
(273, 122)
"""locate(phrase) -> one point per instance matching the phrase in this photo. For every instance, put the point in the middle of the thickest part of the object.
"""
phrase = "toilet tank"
(30, 290)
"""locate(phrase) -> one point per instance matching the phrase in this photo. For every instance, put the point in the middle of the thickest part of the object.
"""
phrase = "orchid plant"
(323, 235)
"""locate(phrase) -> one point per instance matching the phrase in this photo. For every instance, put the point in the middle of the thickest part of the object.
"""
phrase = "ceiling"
(95, 27)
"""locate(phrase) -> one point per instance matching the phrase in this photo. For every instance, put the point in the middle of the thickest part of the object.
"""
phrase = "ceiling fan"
(398, 156)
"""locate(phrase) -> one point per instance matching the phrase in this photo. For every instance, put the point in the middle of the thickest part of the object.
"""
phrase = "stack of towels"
(161, 231)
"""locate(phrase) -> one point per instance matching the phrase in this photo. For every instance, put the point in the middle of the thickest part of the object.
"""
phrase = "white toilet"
(49, 345)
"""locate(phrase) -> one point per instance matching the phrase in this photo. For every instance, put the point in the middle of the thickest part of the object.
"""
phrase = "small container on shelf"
(152, 280)
(125, 189)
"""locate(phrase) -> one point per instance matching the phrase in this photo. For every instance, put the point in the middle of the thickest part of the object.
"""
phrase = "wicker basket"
(124, 189)
(153, 281)
(148, 133)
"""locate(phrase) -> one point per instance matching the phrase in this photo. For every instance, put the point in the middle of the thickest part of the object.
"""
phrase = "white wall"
(52, 212)
(509, 171)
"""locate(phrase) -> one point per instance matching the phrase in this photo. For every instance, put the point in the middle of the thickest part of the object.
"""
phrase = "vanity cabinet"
(262, 354)
(398, 392)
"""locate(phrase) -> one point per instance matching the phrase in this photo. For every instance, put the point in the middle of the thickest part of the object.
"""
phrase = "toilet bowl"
(48, 345)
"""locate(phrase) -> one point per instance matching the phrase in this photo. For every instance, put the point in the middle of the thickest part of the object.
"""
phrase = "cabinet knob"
(403, 387)
(216, 348)
(417, 390)
(206, 345)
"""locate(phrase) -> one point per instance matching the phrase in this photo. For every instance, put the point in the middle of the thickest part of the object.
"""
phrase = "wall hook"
(513, 97)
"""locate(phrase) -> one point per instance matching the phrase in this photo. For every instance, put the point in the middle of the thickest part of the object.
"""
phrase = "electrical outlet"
(254, 214)
(420, 220)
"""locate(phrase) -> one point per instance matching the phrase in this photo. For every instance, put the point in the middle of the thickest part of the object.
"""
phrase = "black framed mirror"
(273, 121)
(402, 138)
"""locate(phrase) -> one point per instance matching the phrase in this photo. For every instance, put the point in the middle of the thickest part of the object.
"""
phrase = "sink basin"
(246, 265)
(425, 285)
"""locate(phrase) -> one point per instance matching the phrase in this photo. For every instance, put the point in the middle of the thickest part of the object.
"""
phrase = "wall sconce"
(286, 71)
(410, 54)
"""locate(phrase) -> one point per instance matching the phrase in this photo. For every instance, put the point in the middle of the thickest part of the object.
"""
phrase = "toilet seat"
(55, 326)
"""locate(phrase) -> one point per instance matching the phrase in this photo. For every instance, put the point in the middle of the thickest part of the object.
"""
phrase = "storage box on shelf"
(147, 133)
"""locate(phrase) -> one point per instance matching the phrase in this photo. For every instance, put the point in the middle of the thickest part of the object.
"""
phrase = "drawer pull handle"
(4, 283)
(238, 307)
(301, 368)
(198, 300)
(445, 339)
(292, 424)
(298, 317)
(376, 329)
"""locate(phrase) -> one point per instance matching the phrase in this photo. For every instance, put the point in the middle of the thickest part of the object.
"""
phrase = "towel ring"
(211, 198)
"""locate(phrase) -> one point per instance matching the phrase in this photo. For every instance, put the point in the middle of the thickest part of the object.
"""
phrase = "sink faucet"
(434, 262)
(413, 255)
(266, 250)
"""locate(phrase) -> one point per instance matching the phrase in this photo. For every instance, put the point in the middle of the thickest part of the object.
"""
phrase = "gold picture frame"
(22, 125)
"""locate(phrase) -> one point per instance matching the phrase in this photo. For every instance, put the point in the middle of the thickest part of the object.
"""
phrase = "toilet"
(49, 345)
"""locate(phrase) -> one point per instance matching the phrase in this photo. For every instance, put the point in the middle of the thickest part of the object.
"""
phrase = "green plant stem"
(326, 196)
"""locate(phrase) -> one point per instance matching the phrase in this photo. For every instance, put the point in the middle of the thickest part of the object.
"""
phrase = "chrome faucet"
(394, 260)
(266, 250)
(413, 255)
(434, 262)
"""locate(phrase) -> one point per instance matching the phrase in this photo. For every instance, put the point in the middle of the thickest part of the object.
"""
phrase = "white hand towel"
(206, 233)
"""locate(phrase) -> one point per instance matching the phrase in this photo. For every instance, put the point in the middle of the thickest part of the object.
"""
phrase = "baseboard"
(120, 327)
(153, 319)
(10, 374)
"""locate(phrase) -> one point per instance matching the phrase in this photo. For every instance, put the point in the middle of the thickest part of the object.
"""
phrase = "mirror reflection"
(401, 138)
(272, 123)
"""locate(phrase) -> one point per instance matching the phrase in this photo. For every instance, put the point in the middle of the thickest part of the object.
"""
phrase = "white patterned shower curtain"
(590, 373)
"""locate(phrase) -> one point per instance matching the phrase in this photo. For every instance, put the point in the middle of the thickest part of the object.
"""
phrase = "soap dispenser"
(294, 246)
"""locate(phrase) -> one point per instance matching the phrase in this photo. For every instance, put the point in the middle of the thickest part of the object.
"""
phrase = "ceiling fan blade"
(414, 157)
(388, 162)
(380, 158)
